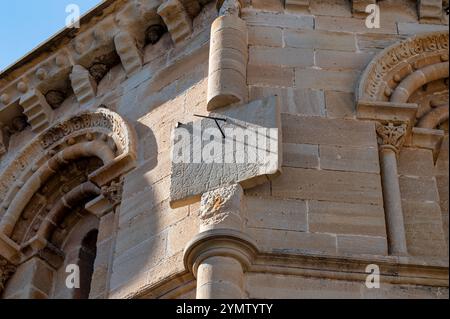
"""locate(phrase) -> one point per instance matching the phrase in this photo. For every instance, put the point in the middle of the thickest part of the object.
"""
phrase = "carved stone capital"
(113, 192)
(6, 271)
(391, 136)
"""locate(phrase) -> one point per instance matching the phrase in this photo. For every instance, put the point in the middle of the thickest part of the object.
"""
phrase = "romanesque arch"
(413, 71)
(70, 171)
(405, 90)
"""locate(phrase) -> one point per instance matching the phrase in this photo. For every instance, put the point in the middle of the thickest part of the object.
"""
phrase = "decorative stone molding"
(6, 271)
(391, 136)
(396, 62)
(228, 56)
(129, 53)
(37, 110)
(83, 84)
(177, 20)
(87, 134)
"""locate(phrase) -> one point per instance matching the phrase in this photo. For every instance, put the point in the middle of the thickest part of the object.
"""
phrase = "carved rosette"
(113, 192)
(6, 271)
(391, 136)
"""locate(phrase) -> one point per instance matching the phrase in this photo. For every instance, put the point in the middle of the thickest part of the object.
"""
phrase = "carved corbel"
(430, 10)
(83, 84)
(129, 53)
(177, 20)
(39, 113)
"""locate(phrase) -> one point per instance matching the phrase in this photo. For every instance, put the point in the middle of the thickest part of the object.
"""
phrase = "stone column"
(391, 139)
(219, 256)
(228, 55)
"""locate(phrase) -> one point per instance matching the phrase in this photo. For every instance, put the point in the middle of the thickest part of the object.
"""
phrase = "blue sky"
(24, 24)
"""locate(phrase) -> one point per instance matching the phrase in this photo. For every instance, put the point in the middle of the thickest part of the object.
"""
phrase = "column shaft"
(392, 202)
(220, 277)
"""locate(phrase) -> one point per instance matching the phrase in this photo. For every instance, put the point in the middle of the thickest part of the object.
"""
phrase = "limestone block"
(317, 130)
(340, 104)
(293, 242)
(345, 24)
(290, 57)
(272, 5)
(329, 59)
(32, 275)
(300, 155)
(415, 162)
(304, 101)
(409, 28)
(419, 188)
(320, 39)
(198, 167)
(424, 229)
(37, 110)
(346, 218)
(265, 36)
(364, 245)
(177, 20)
(430, 9)
(344, 81)
(83, 84)
(228, 57)
(129, 53)
(222, 208)
(274, 213)
(272, 19)
(350, 159)
(274, 76)
(350, 187)
(337, 8)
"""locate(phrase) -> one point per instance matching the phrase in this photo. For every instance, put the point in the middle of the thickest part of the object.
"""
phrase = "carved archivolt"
(397, 62)
(102, 134)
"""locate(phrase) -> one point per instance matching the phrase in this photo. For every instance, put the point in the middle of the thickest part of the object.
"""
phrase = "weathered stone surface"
(346, 219)
(283, 57)
(265, 36)
(276, 20)
(350, 159)
(344, 81)
(415, 162)
(270, 76)
(408, 28)
(223, 170)
(320, 39)
(276, 214)
(316, 130)
(328, 59)
(364, 245)
(419, 188)
(300, 155)
(424, 228)
(344, 24)
(177, 20)
(340, 104)
(298, 183)
(293, 242)
(83, 84)
(303, 101)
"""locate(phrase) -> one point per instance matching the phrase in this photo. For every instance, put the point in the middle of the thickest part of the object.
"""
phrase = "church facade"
(336, 185)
